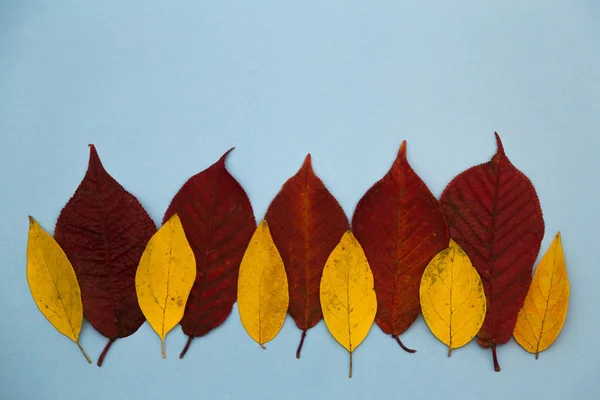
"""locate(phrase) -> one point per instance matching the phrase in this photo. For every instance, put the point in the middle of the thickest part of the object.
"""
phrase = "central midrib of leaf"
(103, 217)
(397, 260)
(491, 259)
(307, 218)
(209, 233)
(348, 305)
(537, 349)
(168, 279)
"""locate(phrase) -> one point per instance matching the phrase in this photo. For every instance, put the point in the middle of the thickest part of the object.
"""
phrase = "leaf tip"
(94, 162)
(224, 156)
(32, 221)
(307, 161)
(402, 151)
(174, 219)
(348, 235)
(500, 150)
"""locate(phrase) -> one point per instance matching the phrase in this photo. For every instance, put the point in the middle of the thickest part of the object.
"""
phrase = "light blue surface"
(164, 88)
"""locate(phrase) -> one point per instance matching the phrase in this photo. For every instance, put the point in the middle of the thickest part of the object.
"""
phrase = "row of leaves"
(466, 260)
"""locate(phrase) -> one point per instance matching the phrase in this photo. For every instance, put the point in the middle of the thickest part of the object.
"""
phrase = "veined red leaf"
(218, 222)
(401, 227)
(306, 224)
(104, 230)
(494, 214)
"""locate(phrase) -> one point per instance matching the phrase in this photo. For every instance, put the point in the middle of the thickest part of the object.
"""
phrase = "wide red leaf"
(218, 222)
(401, 228)
(494, 214)
(306, 223)
(104, 230)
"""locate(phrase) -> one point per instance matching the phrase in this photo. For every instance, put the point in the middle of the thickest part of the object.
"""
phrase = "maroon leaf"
(494, 214)
(104, 230)
(218, 222)
(401, 228)
(306, 223)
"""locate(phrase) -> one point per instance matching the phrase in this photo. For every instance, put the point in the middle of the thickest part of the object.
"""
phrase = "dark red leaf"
(494, 214)
(401, 227)
(306, 223)
(218, 222)
(104, 230)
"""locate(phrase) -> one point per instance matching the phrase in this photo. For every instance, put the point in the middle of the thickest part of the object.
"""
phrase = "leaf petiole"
(83, 352)
(301, 343)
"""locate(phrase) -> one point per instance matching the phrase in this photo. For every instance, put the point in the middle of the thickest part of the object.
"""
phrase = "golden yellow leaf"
(347, 294)
(452, 297)
(263, 296)
(543, 314)
(164, 278)
(53, 283)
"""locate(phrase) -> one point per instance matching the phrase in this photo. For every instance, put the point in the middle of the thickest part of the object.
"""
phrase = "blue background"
(164, 88)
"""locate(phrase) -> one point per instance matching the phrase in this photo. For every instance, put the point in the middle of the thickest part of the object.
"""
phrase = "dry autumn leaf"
(494, 214)
(218, 221)
(347, 295)
(401, 227)
(103, 230)
(263, 296)
(452, 297)
(545, 309)
(306, 222)
(165, 277)
(53, 283)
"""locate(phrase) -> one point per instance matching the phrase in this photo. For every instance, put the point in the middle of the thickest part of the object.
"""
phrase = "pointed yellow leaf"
(263, 296)
(53, 283)
(452, 297)
(545, 309)
(164, 278)
(347, 294)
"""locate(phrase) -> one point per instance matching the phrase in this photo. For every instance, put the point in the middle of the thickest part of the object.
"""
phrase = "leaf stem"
(350, 374)
(496, 365)
(164, 354)
(187, 346)
(83, 352)
(537, 356)
(262, 347)
(406, 349)
(301, 343)
(449, 351)
(103, 354)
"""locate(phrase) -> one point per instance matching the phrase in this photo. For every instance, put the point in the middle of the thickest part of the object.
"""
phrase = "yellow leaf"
(53, 283)
(263, 296)
(347, 294)
(543, 314)
(452, 297)
(164, 277)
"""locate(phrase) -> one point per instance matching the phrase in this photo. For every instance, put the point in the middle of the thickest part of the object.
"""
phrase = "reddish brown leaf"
(494, 214)
(218, 222)
(104, 230)
(401, 227)
(306, 223)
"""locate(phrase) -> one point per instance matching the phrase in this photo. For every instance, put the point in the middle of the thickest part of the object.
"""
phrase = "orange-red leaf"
(306, 223)
(494, 214)
(401, 227)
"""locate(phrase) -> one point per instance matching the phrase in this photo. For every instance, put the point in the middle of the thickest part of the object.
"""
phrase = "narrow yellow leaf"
(347, 294)
(263, 296)
(164, 278)
(452, 297)
(545, 309)
(53, 283)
